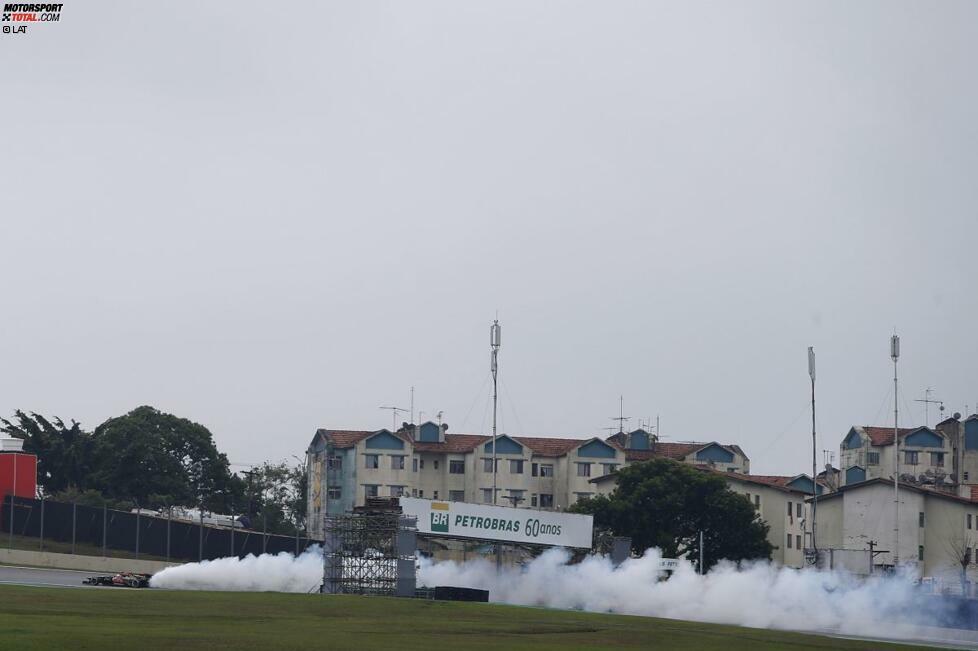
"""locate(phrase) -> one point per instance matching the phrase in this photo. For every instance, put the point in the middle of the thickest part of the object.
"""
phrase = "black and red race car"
(120, 580)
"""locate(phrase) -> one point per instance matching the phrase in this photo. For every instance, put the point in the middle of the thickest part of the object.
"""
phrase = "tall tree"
(277, 497)
(150, 454)
(63, 452)
(666, 504)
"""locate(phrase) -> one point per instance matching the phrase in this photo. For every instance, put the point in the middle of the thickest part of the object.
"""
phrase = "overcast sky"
(270, 217)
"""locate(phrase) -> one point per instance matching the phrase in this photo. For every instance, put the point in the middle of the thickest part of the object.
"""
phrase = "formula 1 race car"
(121, 580)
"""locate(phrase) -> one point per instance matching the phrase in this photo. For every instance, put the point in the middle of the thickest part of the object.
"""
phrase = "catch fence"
(49, 526)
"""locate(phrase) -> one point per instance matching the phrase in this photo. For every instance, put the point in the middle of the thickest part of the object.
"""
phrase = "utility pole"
(811, 374)
(895, 355)
(495, 332)
(701, 553)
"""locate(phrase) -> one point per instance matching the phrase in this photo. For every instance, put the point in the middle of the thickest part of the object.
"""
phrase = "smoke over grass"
(758, 595)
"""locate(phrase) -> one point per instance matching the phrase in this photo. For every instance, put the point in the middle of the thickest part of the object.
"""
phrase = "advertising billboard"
(503, 523)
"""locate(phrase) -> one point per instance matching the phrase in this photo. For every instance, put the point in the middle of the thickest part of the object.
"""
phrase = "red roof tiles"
(884, 435)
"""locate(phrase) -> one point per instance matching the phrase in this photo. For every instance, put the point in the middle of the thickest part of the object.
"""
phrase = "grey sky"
(274, 217)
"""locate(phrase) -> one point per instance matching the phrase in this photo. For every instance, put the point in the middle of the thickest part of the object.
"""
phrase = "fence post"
(232, 528)
(264, 531)
(200, 529)
(105, 527)
(41, 540)
(137, 532)
(169, 516)
(74, 512)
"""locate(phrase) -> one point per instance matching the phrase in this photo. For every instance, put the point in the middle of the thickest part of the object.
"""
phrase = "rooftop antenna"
(811, 374)
(412, 405)
(620, 418)
(928, 402)
(895, 355)
(394, 412)
(495, 332)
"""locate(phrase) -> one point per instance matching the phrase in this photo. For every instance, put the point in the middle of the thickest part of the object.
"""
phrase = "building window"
(731, 469)
(757, 501)
(436, 464)
(920, 552)
(789, 509)
(421, 492)
(920, 519)
(937, 459)
(969, 520)
(966, 475)
(487, 495)
(534, 469)
(910, 457)
(546, 470)
(371, 461)
(798, 542)
(516, 496)
(516, 466)
(334, 493)
(872, 458)
(421, 463)
(583, 469)
(582, 496)
(487, 465)
(789, 541)
(334, 462)
(434, 495)
(397, 491)
(610, 468)
(370, 490)
(798, 510)
(546, 501)
(414, 492)
(456, 467)
(456, 496)
(414, 464)
(397, 462)
(533, 498)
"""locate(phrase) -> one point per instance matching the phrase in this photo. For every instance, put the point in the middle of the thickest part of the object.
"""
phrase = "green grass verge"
(106, 619)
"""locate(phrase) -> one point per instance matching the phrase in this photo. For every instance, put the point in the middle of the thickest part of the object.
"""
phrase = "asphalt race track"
(11, 574)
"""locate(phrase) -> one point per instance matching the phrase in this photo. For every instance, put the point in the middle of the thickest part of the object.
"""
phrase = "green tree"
(276, 494)
(666, 504)
(154, 459)
(64, 453)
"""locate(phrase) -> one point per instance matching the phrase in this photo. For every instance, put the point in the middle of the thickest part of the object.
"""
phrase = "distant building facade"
(347, 466)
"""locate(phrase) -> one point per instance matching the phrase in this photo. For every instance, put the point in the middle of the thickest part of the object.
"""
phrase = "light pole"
(494, 342)
(811, 374)
(895, 355)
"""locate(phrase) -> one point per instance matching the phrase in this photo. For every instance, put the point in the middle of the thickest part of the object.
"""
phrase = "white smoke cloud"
(758, 595)
(266, 573)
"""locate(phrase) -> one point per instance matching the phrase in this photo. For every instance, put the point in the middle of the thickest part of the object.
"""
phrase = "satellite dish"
(957, 415)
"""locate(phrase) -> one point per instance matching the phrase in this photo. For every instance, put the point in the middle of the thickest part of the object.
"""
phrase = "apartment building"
(347, 466)
(927, 456)
(938, 532)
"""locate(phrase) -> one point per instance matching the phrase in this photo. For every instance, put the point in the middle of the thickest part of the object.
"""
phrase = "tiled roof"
(455, 443)
(460, 443)
(884, 435)
(974, 493)
(970, 499)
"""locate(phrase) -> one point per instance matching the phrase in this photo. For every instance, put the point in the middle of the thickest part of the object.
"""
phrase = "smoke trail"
(266, 573)
(758, 595)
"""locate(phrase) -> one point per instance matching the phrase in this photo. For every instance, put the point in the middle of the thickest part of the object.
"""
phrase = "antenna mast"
(895, 355)
(811, 374)
(494, 341)
(928, 402)
(620, 418)
(394, 412)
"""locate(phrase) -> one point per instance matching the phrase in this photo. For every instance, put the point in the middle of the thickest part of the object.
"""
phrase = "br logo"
(439, 521)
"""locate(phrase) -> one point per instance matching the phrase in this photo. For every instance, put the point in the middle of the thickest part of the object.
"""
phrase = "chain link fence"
(49, 526)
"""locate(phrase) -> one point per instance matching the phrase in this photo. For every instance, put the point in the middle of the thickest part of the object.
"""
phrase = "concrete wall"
(98, 564)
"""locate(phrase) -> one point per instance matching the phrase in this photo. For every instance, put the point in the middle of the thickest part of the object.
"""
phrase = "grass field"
(107, 619)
